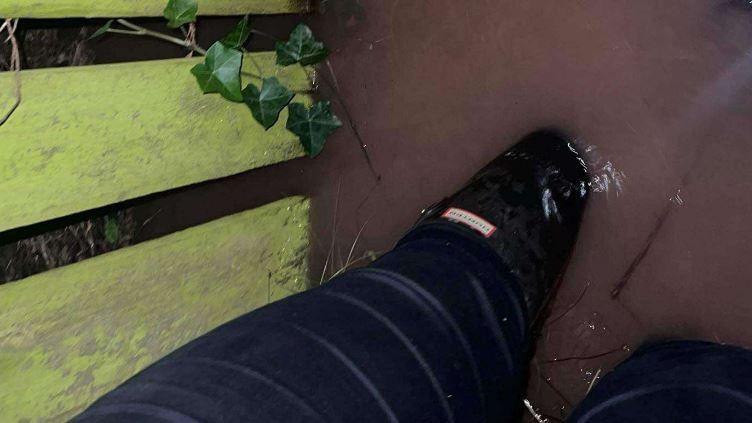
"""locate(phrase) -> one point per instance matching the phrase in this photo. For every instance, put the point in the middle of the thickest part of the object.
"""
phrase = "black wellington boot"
(527, 204)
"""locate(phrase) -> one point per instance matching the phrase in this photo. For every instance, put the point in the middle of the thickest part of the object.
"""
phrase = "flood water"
(658, 92)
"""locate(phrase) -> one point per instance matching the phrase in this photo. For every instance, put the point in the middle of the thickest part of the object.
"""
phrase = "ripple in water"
(604, 176)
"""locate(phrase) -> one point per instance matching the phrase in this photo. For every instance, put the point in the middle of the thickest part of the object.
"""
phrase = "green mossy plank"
(70, 335)
(86, 137)
(133, 8)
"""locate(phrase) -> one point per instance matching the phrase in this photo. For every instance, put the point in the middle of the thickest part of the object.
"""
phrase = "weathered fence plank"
(69, 335)
(137, 8)
(86, 137)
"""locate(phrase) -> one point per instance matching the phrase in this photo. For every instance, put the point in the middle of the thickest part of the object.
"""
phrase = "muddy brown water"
(659, 93)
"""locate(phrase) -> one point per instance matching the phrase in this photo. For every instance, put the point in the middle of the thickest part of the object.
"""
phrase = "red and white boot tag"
(471, 220)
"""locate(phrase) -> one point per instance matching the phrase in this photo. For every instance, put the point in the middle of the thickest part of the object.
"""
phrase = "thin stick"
(368, 255)
(139, 30)
(352, 249)
(357, 237)
(587, 357)
(538, 417)
(334, 77)
(592, 382)
(264, 34)
(557, 391)
(15, 65)
(642, 253)
(147, 221)
(351, 123)
(9, 263)
(330, 255)
(570, 308)
(12, 26)
(123, 31)
(550, 417)
(190, 36)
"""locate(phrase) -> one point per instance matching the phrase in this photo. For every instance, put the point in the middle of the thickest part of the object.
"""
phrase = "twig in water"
(641, 255)
(365, 199)
(350, 121)
(550, 417)
(348, 262)
(592, 382)
(334, 77)
(557, 391)
(538, 417)
(587, 357)
(15, 65)
(570, 308)
(330, 255)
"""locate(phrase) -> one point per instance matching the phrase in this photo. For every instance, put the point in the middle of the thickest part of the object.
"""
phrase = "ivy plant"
(221, 72)
(239, 36)
(180, 12)
(300, 48)
(312, 125)
(268, 102)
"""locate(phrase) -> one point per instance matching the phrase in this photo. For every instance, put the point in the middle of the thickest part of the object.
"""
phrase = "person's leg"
(434, 331)
(678, 381)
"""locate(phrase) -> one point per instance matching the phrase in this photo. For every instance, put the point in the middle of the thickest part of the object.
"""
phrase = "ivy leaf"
(239, 35)
(180, 12)
(312, 125)
(267, 103)
(111, 230)
(220, 72)
(101, 31)
(300, 48)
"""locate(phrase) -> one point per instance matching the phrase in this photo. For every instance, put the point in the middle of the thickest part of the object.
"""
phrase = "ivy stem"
(264, 34)
(124, 31)
(139, 30)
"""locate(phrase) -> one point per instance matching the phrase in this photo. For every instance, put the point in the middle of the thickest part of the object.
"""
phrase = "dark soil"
(67, 245)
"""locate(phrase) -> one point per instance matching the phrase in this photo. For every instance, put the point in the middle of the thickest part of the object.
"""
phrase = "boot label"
(470, 219)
